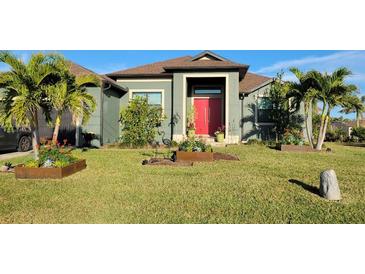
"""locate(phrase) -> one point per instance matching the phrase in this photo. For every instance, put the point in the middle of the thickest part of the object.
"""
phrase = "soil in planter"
(165, 162)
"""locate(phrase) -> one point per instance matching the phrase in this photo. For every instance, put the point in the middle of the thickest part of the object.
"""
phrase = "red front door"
(208, 115)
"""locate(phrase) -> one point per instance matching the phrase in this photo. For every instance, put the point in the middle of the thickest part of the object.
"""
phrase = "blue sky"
(267, 62)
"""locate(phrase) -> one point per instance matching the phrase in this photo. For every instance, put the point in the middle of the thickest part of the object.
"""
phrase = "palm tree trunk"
(56, 128)
(321, 129)
(35, 136)
(358, 114)
(322, 136)
(309, 136)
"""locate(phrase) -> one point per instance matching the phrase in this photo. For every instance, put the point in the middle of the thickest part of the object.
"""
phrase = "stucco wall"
(253, 130)
(110, 122)
(165, 85)
(94, 124)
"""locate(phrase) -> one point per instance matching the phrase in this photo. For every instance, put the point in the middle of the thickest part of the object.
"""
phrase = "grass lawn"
(116, 188)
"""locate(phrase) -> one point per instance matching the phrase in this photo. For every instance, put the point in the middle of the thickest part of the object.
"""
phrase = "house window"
(207, 91)
(153, 98)
(264, 110)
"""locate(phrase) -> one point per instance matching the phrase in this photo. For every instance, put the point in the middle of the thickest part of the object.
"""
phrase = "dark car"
(17, 140)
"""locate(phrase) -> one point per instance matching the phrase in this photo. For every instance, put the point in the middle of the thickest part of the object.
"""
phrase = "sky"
(265, 62)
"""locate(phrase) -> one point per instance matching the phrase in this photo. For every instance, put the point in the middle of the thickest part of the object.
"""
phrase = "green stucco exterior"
(165, 86)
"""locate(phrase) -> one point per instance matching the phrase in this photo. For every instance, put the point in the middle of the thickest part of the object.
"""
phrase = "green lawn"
(116, 188)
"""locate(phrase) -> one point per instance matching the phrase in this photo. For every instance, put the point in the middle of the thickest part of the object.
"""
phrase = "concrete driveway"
(9, 155)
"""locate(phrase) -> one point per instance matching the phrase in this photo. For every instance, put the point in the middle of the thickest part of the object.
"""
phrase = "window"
(153, 98)
(207, 90)
(264, 110)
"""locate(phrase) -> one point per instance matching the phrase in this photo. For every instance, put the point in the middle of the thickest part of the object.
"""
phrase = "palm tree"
(70, 95)
(331, 91)
(23, 91)
(302, 91)
(353, 104)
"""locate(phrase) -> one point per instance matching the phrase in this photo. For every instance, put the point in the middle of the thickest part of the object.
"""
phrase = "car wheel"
(24, 144)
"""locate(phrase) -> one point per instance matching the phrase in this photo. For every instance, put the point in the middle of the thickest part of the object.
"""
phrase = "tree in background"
(353, 104)
(332, 91)
(140, 122)
(23, 91)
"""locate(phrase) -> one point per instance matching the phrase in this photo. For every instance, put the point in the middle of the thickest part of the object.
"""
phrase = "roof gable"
(208, 55)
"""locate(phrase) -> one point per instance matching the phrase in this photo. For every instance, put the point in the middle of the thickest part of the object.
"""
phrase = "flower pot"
(220, 137)
(191, 133)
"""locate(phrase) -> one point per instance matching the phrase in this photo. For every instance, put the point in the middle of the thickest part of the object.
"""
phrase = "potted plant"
(219, 134)
(191, 123)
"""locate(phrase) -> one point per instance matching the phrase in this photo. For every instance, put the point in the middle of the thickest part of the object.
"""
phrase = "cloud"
(104, 69)
(327, 62)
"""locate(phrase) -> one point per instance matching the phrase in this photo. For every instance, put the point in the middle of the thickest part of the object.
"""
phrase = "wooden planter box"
(22, 172)
(296, 148)
(194, 156)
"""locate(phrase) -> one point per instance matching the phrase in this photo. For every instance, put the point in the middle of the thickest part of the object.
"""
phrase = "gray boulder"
(328, 187)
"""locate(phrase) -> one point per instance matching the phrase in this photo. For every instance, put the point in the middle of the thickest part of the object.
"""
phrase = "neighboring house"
(222, 92)
(346, 126)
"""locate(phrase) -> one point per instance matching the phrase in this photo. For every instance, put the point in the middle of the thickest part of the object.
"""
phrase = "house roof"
(79, 70)
(206, 60)
(252, 82)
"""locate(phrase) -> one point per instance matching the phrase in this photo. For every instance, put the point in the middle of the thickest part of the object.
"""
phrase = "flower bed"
(23, 172)
(194, 151)
(55, 162)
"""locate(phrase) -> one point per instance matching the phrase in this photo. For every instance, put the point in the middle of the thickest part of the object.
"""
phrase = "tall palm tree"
(23, 91)
(331, 91)
(70, 95)
(353, 104)
(302, 91)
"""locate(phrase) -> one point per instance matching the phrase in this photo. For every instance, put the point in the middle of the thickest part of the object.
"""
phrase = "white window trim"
(131, 91)
(257, 123)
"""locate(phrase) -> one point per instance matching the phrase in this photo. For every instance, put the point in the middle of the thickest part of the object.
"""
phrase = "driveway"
(10, 155)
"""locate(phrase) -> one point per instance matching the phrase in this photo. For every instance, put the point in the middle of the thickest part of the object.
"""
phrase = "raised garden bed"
(194, 156)
(22, 172)
(296, 148)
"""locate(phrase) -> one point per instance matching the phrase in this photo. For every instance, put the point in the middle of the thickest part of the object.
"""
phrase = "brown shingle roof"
(78, 70)
(151, 69)
(252, 81)
(182, 63)
(248, 82)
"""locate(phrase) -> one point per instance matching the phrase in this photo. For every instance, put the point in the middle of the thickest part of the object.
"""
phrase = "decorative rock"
(4, 169)
(328, 187)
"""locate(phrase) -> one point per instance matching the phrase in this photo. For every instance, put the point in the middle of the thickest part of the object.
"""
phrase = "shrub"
(140, 122)
(194, 145)
(337, 135)
(293, 136)
(358, 134)
(8, 164)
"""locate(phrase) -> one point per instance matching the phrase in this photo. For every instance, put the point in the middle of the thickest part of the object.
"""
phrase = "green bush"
(192, 145)
(337, 135)
(293, 136)
(358, 134)
(140, 122)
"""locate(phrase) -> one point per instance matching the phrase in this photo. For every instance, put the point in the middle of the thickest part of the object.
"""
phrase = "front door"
(208, 115)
